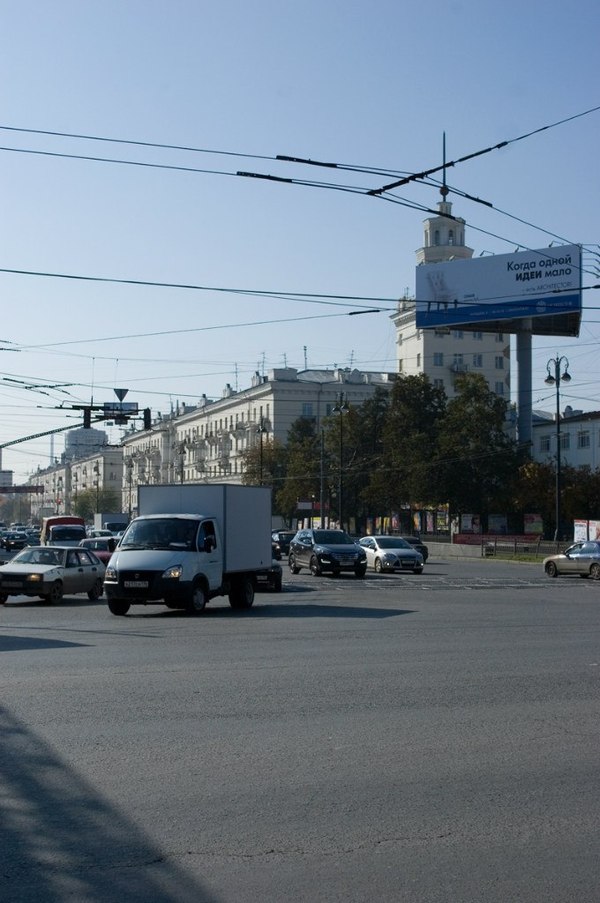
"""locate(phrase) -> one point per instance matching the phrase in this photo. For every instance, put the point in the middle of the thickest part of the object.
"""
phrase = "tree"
(362, 431)
(410, 438)
(303, 467)
(89, 501)
(476, 458)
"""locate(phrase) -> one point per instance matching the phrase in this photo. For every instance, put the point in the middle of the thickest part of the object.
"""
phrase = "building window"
(451, 237)
(438, 383)
(307, 409)
(499, 362)
(399, 339)
(544, 443)
(478, 336)
(499, 389)
(583, 439)
(458, 362)
(436, 237)
(458, 333)
(400, 365)
(499, 336)
(565, 440)
(438, 358)
(418, 359)
(478, 360)
(441, 333)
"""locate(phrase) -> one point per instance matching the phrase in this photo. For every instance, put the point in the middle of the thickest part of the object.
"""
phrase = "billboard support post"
(524, 395)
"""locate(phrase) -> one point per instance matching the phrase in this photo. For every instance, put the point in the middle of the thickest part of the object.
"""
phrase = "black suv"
(329, 551)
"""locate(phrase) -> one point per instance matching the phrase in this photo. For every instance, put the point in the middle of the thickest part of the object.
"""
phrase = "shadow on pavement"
(61, 841)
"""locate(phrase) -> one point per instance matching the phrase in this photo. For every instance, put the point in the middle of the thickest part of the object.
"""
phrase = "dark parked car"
(272, 578)
(13, 542)
(281, 542)
(416, 543)
(331, 551)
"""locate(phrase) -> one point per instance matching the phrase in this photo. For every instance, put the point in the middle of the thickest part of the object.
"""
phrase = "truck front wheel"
(197, 601)
(241, 594)
(117, 607)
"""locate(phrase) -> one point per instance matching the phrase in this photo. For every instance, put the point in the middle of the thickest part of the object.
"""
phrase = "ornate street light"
(555, 378)
(341, 408)
(261, 430)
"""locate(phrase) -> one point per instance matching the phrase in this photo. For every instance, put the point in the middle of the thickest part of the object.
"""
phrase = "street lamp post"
(341, 408)
(554, 379)
(97, 485)
(262, 429)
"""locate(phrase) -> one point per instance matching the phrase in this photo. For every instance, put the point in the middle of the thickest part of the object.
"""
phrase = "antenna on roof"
(444, 188)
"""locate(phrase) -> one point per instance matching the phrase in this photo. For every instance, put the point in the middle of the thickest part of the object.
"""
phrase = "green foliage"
(476, 460)
(90, 501)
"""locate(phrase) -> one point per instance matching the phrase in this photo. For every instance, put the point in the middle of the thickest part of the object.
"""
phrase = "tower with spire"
(444, 353)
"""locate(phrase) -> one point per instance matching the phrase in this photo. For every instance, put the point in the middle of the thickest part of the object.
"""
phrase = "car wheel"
(55, 594)
(241, 594)
(595, 571)
(315, 567)
(292, 565)
(360, 570)
(551, 569)
(3, 598)
(378, 565)
(96, 591)
(197, 600)
(118, 607)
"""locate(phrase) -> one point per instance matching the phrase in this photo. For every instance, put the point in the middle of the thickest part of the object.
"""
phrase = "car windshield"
(37, 556)
(333, 537)
(391, 542)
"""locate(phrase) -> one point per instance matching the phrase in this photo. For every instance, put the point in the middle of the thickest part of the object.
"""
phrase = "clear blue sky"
(365, 83)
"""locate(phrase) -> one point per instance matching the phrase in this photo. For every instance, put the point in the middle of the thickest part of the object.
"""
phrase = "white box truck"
(106, 520)
(189, 544)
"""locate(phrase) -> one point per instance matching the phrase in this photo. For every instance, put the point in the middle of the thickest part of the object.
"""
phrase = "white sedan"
(391, 553)
(51, 572)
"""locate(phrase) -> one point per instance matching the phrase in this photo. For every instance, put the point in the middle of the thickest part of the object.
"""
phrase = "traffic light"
(147, 418)
(87, 418)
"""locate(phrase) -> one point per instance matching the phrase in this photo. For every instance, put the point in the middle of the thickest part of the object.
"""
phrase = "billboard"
(497, 293)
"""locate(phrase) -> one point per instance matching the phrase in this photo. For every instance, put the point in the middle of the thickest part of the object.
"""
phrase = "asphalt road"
(402, 738)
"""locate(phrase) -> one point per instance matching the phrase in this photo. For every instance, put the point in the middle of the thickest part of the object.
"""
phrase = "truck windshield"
(67, 533)
(161, 533)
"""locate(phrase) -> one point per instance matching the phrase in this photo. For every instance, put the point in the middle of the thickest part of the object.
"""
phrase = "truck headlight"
(173, 573)
(111, 574)
(35, 578)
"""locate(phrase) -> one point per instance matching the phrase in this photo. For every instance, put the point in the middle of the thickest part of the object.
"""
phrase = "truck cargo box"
(242, 512)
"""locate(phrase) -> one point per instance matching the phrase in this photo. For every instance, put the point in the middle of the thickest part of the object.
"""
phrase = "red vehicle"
(62, 530)
(101, 546)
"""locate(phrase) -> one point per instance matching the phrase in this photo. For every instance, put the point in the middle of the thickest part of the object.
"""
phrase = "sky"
(192, 93)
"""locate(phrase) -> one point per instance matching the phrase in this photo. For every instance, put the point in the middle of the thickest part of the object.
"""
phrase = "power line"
(479, 153)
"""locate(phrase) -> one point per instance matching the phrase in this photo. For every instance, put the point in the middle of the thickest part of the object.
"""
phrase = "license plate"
(12, 584)
(135, 584)
(346, 560)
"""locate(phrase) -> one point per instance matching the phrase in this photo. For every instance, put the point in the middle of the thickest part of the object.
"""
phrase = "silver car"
(391, 553)
(51, 572)
(581, 558)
